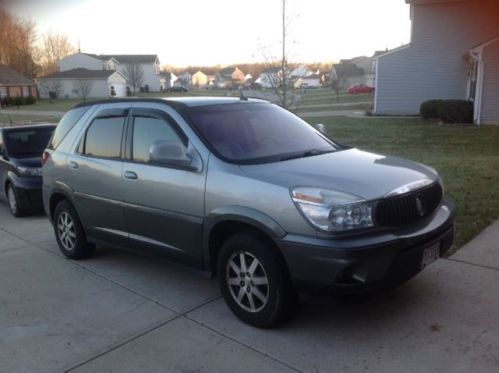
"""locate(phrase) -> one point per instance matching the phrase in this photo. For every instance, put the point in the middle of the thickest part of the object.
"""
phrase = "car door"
(95, 176)
(164, 205)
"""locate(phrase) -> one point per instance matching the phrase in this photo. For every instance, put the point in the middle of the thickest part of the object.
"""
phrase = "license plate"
(430, 254)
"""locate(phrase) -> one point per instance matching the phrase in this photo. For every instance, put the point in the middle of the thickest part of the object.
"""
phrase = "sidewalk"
(121, 312)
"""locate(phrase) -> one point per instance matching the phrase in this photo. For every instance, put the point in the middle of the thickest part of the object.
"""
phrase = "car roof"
(179, 102)
(28, 126)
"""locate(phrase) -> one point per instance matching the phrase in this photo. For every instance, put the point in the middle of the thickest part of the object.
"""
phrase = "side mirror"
(321, 128)
(169, 152)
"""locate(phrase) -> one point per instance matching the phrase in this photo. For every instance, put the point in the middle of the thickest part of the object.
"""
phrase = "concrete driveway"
(125, 313)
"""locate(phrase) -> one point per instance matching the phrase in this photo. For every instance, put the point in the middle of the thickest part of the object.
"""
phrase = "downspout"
(479, 84)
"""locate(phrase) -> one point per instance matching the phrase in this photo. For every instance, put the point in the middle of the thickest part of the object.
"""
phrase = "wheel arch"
(226, 221)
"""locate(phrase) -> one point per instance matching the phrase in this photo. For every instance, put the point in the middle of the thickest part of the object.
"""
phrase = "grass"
(466, 156)
(18, 119)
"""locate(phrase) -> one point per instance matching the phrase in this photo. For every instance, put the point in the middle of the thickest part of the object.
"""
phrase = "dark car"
(21, 150)
(360, 88)
(179, 88)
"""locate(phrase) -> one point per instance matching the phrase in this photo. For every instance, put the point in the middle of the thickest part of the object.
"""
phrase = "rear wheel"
(69, 232)
(13, 200)
(254, 281)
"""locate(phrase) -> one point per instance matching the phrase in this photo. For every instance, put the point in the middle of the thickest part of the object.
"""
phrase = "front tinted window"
(27, 142)
(253, 133)
(66, 124)
(103, 138)
(147, 130)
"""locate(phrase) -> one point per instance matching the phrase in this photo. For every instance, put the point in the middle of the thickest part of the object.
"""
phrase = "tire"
(69, 232)
(265, 303)
(13, 201)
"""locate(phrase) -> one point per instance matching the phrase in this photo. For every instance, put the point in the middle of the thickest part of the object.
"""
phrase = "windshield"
(28, 142)
(257, 133)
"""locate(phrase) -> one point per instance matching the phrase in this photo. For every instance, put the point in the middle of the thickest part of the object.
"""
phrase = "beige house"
(199, 79)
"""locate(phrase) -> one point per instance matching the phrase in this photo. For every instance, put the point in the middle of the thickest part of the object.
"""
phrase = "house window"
(25, 91)
(3, 92)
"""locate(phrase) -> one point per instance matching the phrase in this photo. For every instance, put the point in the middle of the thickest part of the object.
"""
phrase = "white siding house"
(70, 83)
(453, 54)
(119, 62)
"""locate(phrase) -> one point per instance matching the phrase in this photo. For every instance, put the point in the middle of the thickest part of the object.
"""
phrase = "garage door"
(120, 89)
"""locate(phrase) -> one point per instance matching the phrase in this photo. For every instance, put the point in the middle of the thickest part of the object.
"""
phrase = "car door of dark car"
(163, 205)
(95, 177)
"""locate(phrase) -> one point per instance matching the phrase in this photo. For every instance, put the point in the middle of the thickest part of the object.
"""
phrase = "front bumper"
(356, 264)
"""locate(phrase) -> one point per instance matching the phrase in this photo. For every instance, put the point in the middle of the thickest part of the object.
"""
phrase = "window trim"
(105, 114)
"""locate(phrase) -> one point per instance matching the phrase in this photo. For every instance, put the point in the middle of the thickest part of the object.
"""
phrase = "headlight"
(29, 171)
(331, 210)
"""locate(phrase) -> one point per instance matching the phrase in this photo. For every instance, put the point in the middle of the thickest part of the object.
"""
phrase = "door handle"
(73, 164)
(130, 175)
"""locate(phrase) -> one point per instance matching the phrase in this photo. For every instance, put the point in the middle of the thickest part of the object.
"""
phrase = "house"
(309, 81)
(347, 74)
(453, 54)
(367, 65)
(167, 80)
(83, 83)
(119, 62)
(199, 79)
(13, 84)
(300, 72)
(270, 77)
(184, 79)
(229, 77)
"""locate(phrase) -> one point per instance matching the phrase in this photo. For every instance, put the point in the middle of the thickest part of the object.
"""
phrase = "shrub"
(431, 109)
(456, 111)
(30, 100)
(18, 101)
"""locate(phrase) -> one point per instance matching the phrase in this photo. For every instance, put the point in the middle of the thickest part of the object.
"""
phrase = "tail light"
(45, 157)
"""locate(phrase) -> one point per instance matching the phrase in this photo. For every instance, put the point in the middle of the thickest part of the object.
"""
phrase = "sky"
(211, 32)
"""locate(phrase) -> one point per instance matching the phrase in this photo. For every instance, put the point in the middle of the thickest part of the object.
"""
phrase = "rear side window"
(103, 138)
(66, 124)
(146, 131)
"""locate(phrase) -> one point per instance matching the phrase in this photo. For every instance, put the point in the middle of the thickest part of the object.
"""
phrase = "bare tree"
(135, 75)
(50, 88)
(82, 88)
(17, 43)
(278, 68)
(53, 48)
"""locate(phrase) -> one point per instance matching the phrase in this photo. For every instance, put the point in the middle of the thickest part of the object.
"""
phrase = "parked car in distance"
(21, 151)
(245, 190)
(360, 88)
(179, 88)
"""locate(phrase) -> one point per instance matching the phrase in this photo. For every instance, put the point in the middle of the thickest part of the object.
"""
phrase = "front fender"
(239, 214)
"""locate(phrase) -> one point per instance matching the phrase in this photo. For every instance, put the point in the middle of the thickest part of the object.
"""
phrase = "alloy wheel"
(66, 231)
(247, 281)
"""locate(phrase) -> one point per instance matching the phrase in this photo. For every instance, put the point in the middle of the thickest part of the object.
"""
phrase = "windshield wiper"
(308, 153)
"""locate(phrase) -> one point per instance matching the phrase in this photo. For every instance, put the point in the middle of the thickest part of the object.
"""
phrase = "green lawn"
(466, 156)
(8, 120)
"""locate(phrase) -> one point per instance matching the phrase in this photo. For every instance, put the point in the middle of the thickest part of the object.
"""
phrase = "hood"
(366, 175)
(27, 162)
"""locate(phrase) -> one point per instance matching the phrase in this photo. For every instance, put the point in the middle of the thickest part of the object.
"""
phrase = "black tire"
(280, 298)
(73, 244)
(13, 201)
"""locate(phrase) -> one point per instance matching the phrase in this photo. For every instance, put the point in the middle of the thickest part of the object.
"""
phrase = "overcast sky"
(208, 32)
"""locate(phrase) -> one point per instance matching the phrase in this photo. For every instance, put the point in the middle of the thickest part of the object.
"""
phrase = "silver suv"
(244, 190)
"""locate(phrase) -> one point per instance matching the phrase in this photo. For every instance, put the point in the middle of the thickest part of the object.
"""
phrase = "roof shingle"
(10, 76)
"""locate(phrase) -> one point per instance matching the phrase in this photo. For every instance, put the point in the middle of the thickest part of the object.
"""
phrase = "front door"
(164, 205)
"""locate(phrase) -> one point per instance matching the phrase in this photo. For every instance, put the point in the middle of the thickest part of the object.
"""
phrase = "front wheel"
(254, 281)
(69, 232)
